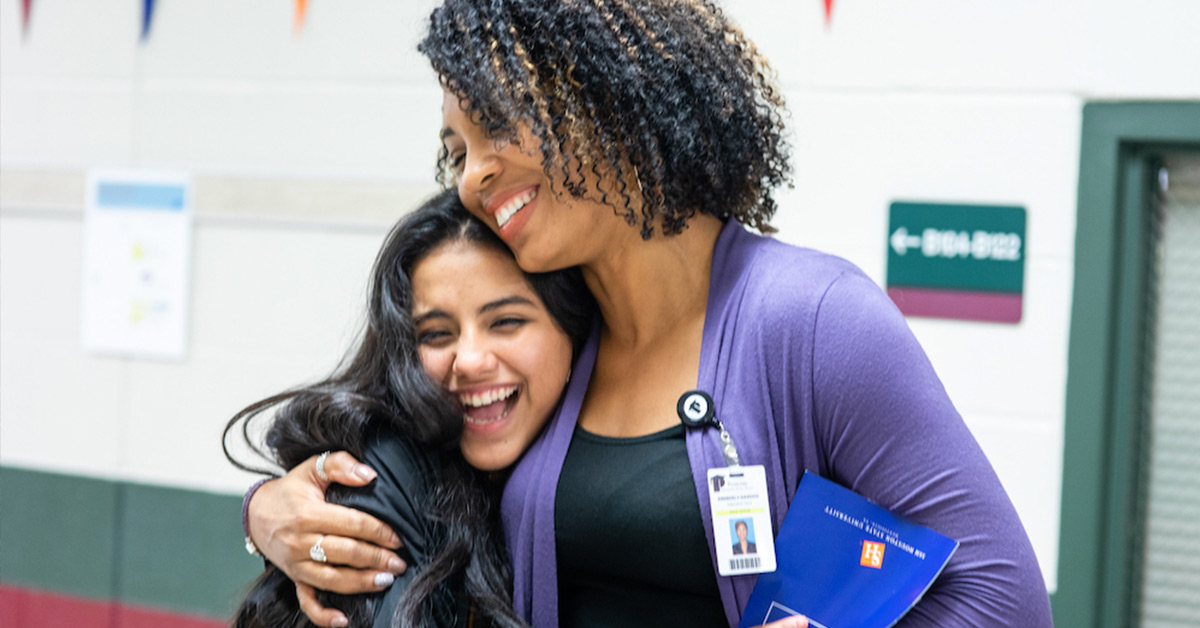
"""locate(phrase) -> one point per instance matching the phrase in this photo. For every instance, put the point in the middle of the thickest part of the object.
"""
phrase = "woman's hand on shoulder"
(288, 516)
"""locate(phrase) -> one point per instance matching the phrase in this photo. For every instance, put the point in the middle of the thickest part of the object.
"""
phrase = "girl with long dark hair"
(462, 360)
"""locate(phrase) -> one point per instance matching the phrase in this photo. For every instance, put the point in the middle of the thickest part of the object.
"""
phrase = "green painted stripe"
(183, 550)
(174, 549)
(58, 532)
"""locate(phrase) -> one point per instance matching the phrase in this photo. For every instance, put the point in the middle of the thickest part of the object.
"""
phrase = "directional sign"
(957, 261)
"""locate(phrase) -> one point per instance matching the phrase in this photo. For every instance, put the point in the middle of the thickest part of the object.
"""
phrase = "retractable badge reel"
(741, 510)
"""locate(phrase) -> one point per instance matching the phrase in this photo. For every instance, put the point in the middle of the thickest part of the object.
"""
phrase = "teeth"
(487, 397)
(513, 206)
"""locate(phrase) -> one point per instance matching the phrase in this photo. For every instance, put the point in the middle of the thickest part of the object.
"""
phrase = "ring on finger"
(316, 552)
(321, 467)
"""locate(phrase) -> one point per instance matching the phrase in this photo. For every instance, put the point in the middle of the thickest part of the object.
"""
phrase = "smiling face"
(484, 335)
(505, 185)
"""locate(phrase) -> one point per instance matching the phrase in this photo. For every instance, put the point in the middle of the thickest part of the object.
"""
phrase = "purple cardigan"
(812, 367)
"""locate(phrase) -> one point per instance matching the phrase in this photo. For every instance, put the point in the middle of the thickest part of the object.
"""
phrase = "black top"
(630, 538)
(400, 497)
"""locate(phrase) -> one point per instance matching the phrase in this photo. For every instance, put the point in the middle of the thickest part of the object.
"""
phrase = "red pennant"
(301, 11)
(828, 12)
(26, 8)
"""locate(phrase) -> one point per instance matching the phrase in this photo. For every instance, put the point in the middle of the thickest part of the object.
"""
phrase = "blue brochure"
(845, 562)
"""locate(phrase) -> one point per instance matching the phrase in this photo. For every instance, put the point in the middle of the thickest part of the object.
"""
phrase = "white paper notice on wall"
(137, 263)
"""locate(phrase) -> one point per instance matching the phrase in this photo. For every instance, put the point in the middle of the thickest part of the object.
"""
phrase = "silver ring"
(316, 552)
(321, 469)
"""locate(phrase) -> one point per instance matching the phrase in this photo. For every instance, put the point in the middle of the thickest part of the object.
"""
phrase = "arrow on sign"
(901, 241)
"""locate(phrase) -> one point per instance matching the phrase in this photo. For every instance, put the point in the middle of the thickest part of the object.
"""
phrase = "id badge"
(741, 516)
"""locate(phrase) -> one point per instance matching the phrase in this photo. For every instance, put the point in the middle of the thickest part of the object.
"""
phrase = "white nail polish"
(364, 472)
(384, 579)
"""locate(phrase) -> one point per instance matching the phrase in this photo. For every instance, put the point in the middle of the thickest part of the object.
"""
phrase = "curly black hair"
(668, 94)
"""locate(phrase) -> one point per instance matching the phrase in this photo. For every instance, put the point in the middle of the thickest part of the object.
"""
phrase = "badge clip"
(697, 410)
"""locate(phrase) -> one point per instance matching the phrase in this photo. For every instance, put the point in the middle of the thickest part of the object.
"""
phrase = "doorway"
(1113, 570)
(1169, 467)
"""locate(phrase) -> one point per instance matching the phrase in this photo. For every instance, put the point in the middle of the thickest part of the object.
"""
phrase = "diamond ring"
(321, 467)
(316, 552)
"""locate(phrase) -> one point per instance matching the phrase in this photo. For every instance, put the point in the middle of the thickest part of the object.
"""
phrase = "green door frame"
(1097, 557)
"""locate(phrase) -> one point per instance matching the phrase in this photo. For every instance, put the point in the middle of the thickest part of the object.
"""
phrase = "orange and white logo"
(872, 555)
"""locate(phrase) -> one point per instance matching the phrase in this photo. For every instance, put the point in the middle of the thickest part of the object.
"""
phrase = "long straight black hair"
(382, 384)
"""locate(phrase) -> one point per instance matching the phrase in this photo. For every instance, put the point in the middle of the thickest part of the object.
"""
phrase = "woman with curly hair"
(638, 141)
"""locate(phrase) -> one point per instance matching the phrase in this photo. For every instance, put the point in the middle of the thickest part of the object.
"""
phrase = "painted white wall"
(271, 307)
(306, 146)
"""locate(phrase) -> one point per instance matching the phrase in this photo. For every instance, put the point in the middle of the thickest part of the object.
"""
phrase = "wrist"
(251, 548)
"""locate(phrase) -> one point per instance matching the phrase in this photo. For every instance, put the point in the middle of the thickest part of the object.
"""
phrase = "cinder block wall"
(305, 146)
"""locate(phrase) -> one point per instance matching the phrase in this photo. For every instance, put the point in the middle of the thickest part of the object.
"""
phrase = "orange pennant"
(301, 12)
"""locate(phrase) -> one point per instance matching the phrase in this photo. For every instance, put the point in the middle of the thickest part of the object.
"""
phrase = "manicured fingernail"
(364, 472)
(384, 579)
(395, 565)
(339, 622)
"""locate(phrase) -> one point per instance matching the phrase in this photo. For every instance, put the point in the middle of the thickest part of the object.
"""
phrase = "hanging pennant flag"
(147, 16)
(26, 7)
(828, 12)
(301, 11)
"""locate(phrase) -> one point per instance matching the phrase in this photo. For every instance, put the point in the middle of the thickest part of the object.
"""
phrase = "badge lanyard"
(741, 512)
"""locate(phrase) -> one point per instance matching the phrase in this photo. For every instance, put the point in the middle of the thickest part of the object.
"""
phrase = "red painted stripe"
(35, 609)
(995, 307)
(29, 608)
(135, 617)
